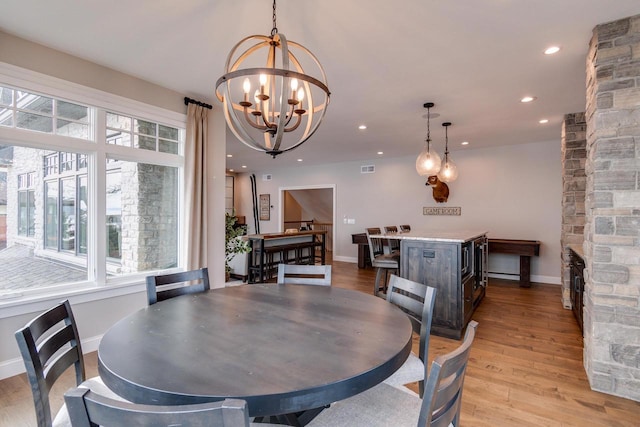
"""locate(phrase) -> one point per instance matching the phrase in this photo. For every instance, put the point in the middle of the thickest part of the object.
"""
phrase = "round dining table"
(282, 348)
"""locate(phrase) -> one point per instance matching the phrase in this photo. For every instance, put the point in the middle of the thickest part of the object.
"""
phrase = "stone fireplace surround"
(610, 212)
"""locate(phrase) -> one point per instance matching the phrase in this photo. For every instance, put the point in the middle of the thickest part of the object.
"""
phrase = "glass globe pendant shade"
(448, 171)
(428, 162)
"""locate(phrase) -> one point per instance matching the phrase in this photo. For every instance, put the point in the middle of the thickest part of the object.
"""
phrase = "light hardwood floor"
(525, 367)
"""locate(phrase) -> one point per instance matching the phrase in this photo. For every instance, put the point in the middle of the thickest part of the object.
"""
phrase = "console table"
(270, 249)
(525, 248)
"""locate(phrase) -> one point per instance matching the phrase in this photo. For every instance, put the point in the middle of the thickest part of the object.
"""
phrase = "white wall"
(512, 192)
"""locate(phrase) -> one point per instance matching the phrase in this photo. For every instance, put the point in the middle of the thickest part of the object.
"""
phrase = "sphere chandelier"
(289, 102)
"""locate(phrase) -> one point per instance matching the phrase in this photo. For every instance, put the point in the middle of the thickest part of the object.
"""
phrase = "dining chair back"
(304, 274)
(385, 405)
(160, 288)
(88, 409)
(443, 392)
(394, 244)
(405, 227)
(417, 301)
(49, 345)
(381, 261)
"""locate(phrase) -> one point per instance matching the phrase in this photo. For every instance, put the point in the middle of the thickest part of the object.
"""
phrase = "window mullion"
(97, 222)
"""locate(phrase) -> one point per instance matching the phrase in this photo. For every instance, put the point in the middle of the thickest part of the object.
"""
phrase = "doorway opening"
(310, 208)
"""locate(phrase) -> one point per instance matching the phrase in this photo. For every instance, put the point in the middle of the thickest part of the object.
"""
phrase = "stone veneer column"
(574, 155)
(612, 237)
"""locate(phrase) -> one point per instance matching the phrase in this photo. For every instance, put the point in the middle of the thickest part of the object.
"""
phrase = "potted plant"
(234, 244)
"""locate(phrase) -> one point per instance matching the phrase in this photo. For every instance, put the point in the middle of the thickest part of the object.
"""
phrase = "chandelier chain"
(274, 30)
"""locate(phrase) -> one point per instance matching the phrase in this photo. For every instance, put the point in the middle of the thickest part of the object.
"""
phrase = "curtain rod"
(188, 101)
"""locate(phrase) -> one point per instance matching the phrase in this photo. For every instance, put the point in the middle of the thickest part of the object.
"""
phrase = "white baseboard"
(12, 367)
(553, 280)
(353, 260)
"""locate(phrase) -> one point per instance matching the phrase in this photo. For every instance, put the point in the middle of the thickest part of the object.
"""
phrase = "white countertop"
(456, 236)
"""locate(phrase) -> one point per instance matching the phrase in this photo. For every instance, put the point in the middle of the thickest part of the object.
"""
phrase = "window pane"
(34, 102)
(142, 217)
(72, 129)
(6, 117)
(168, 146)
(23, 213)
(167, 132)
(74, 112)
(34, 122)
(6, 96)
(51, 214)
(114, 214)
(118, 138)
(117, 121)
(83, 215)
(31, 214)
(68, 214)
(51, 164)
(145, 142)
(144, 127)
(42, 219)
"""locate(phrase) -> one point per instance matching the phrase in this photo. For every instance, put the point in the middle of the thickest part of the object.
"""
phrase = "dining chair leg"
(376, 286)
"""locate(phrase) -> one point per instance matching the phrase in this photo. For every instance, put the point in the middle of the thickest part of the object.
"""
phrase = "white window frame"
(98, 286)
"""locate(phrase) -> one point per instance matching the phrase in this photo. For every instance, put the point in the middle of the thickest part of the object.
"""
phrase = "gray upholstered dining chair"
(50, 345)
(160, 288)
(304, 274)
(385, 405)
(87, 409)
(417, 301)
(383, 262)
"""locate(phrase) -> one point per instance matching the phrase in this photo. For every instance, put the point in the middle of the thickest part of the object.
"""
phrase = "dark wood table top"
(282, 348)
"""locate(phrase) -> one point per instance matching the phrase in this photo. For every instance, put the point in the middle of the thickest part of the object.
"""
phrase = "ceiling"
(383, 60)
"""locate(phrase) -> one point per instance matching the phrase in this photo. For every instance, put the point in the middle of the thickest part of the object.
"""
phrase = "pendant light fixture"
(288, 102)
(449, 170)
(428, 162)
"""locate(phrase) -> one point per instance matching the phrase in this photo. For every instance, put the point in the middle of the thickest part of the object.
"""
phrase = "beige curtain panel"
(195, 225)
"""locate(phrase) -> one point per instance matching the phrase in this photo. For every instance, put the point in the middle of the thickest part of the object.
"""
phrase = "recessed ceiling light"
(528, 99)
(229, 155)
(380, 153)
(244, 166)
(464, 143)
(299, 160)
(551, 50)
(362, 127)
(543, 121)
(230, 170)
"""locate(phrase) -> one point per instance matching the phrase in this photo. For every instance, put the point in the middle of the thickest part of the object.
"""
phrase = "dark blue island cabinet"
(456, 266)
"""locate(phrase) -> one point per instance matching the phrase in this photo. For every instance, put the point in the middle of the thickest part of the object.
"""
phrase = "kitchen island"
(453, 262)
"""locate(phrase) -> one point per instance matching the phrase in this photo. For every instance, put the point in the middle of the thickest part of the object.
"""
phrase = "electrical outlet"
(351, 221)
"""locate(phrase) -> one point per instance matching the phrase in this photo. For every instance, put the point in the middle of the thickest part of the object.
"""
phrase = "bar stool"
(381, 261)
(394, 244)
(405, 228)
